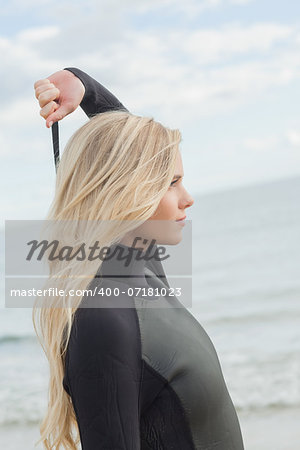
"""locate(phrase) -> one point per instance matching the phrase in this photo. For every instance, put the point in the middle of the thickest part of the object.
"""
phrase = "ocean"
(246, 294)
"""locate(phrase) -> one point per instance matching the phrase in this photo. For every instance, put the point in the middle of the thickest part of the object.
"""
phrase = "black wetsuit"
(140, 376)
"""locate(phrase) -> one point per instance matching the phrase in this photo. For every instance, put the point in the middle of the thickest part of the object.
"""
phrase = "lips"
(182, 218)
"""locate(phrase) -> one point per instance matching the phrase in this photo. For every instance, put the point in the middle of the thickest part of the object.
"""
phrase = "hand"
(58, 95)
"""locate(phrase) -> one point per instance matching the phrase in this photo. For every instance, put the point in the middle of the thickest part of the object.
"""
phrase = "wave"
(20, 421)
(14, 338)
(37, 417)
(280, 406)
(255, 317)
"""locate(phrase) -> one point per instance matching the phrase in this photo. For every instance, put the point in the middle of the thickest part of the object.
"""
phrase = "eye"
(173, 182)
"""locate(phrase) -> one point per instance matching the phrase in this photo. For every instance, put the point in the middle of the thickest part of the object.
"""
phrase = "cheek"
(167, 208)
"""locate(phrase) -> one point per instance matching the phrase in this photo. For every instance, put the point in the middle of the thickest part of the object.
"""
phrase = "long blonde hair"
(116, 167)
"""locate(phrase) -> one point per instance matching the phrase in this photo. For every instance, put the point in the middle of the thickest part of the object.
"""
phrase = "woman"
(143, 374)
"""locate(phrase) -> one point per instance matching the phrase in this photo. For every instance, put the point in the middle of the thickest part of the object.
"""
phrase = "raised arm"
(62, 92)
(97, 99)
(103, 376)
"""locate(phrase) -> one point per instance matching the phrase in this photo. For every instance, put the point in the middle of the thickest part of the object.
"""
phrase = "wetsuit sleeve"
(97, 99)
(103, 376)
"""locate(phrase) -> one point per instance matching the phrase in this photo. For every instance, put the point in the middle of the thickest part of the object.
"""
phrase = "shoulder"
(101, 326)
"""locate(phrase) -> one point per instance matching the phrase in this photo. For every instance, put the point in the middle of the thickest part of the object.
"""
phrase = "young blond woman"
(125, 374)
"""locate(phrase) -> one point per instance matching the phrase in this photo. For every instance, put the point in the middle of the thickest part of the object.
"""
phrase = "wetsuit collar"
(126, 264)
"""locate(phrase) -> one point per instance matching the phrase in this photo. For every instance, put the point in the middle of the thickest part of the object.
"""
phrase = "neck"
(126, 264)
(143, 244)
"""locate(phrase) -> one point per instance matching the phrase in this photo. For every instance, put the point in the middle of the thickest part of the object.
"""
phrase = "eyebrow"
(178, 176)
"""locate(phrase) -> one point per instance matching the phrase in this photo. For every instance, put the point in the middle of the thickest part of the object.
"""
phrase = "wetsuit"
(143, 377)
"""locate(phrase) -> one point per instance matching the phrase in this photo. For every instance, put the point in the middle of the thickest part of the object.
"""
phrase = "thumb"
(57, 115)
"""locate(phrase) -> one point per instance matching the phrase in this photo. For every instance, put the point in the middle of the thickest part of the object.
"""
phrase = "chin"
(163, 232)
(170, 239)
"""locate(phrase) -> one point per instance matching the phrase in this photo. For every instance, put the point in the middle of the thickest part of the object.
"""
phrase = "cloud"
(37, 34)
(240, 2)
(202, 71)
(205, 69)
(206, 46)
(189, 9)
(22, 64)
(177, 73)
(23, 110)
(261, 144)
(72, 10)
(293, 137)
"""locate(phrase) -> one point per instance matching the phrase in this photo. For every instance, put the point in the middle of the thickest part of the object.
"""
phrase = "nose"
(186, 200)
(190, 202)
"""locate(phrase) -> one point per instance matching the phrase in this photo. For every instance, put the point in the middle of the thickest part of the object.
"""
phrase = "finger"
(48, 96)
(59, 114)
(40, 82)
(48, 109)
(43, 88)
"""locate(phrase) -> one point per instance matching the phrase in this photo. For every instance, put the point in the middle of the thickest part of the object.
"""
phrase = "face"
(164, 225)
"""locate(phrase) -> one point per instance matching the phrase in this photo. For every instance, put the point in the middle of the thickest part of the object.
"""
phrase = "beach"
(271, 430)
(264, 430)
(246, 290)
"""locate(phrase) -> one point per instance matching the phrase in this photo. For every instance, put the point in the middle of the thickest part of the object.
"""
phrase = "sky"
(225, 72)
